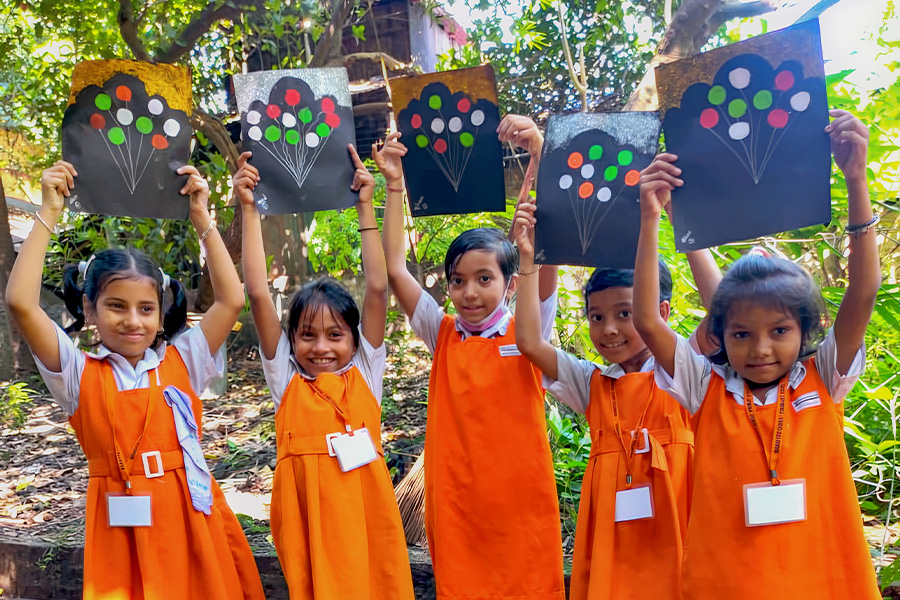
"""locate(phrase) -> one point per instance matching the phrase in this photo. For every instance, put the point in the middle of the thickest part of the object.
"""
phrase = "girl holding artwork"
(335, 520)
(157, 523)
(774, 508)
(491, 511)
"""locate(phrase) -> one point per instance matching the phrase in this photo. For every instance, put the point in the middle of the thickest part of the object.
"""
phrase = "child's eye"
(740, 335)
(456, 281)
(596, 318)
(781, 330)
(625, 314)
(337, 334)
(486, 279)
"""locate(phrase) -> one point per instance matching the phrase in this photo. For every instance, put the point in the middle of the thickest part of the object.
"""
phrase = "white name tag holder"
(510, 350)
(352, 449)
(634, 504)
(767, 504)
(128, 510)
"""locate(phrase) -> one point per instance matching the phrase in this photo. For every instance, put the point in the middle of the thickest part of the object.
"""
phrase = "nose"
(609, 327)
(132, 318)
(762, 346)
(320, 344)
(471, 290)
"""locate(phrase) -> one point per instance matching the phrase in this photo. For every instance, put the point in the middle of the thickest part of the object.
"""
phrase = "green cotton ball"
(737, 108)
(762, 100)
(466, 139)
(421, 141)
(625, 157)
(273, 134)
(292, 137)
(144, 125)
(611, 172)
(595, 152)
(305, 115)
(716, 95)
(116, 136)
(103, 102)
(435, 102)
(322, 130)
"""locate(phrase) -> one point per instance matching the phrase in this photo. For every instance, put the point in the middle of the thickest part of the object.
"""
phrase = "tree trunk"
(13, 352)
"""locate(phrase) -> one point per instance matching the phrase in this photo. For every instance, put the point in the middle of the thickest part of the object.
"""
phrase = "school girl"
(491, 511)
(774, 511)
(157, 523)
(335, 520)
(636, 490)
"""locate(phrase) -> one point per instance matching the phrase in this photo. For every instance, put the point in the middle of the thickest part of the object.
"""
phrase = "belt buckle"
(328, 439)
(646, 447)
(159, 464)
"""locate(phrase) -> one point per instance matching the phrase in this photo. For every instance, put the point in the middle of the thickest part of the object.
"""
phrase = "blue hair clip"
(166, 280)
(83, 266)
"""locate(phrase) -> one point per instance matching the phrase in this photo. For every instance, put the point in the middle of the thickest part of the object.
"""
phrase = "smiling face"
(323, 342)
(762, 342)
(612, 329)
(127, 316)
(477, 285)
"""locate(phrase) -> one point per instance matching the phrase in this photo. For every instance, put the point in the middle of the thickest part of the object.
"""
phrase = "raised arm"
(523, 132)
(850, 144)
(374, 313)
(221, 316)
(528, 310)
(253, 257)
(23, 291)
(404, 285)
(657, 182)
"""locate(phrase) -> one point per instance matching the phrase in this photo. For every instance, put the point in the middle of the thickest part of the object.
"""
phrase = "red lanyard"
(337, 407)
(123, 464)
(777, 433)
(629, 449)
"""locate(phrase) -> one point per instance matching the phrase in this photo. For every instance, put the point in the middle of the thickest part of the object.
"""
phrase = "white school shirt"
(280, 369)
(65, 385)
(573, 386)
(693, 373)
(427, 316)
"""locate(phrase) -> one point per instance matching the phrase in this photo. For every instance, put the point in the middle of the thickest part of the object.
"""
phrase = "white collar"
(309, 377)
(151, 360)
(615, 370)
(734, 383)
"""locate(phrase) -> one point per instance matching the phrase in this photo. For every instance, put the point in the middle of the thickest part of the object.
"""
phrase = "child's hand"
(849, 143)
(523, 231)
(56, 185)
(387, 159)
(521, 131)
(245, 180)
(198, 189)
(657, 182)
(363, 182)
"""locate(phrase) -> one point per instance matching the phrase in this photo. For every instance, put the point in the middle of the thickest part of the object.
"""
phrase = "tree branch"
(328, 48)
(215, 131)
(128, 27)
(389, 61)
(198, 26)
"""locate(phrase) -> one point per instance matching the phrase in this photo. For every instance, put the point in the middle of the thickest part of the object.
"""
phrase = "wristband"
(361, 229)
(530, 272)
(43, 222)
(399, 190)
(205, 234)
(862, 227)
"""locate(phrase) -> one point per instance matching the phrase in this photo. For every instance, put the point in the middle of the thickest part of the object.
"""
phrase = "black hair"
(321, 294)
(602, 279)
(115, 264)
(489, 240)
(773, 282)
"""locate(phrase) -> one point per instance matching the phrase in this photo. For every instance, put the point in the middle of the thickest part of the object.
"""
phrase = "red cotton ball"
(332, 120)
(123, 93)
(416, 121)
(97, 121)
(292, 97)
(778, 118)
(159, 142)
(273, 111)
(784, 81)
(328, 105)
(709, 118)
(440, 146)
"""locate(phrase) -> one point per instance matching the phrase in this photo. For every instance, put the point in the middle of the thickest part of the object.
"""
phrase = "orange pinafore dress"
(637, 559)
(338, 535)
(824, 557)
(491, 511)
(184, 554)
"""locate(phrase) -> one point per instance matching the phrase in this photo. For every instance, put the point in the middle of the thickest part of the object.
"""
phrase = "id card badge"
(128, 511)
(767, 504)
(634, 504)
(352, 450)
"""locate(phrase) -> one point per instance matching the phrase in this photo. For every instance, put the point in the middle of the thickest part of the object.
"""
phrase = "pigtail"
(73, 296)
(176, 315)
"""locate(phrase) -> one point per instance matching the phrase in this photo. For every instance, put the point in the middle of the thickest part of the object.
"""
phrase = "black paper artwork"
(588, 209)
(298, 124)
(454, 163)
(125, 147)
(753, 152)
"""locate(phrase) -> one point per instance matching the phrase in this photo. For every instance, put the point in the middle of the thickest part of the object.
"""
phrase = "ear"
(664, 309)
(88, 309)
(513, 284)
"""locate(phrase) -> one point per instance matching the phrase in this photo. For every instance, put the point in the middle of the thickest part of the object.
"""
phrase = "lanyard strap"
(777, 433)
(327, 397)
(122, 463)
(630, 448)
